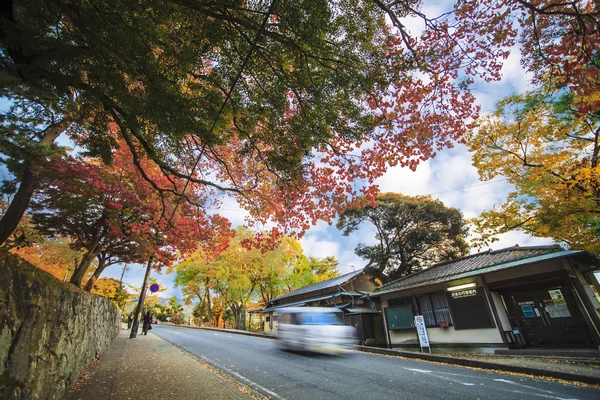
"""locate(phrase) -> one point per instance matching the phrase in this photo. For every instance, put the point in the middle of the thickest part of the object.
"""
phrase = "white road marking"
(418, 370)
(540, 392)
(424, 371)
(251, 383)
(243, 379)
(545, 396)
(532, 388)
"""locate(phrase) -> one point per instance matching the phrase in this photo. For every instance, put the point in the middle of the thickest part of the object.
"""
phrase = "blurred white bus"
(316, 329)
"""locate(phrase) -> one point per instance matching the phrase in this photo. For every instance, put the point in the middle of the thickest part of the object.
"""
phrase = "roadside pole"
(136, 322)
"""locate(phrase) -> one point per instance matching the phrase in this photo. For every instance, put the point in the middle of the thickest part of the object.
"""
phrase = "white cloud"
(415, 24)
(449, 177)
(349, 261)
(319, 246)
(513, 72)
(321, 226)
(515, 79)
(404, 180)
(231, 210)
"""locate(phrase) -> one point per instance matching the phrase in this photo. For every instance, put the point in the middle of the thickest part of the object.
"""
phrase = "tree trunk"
(220, 322)
(239, 315)
(101, 266)
(18, 205)
(29, 182)
(208, 304)
(84, 265)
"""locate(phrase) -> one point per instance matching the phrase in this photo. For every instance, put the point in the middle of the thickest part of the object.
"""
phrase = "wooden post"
(136, 321)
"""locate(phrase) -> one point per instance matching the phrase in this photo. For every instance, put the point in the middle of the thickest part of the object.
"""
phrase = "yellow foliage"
(550, 155)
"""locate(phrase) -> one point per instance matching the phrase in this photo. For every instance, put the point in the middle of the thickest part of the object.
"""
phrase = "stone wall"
(49, 331)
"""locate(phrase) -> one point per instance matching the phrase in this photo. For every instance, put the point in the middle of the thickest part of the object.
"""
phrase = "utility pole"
(123, 274)
(136, 321)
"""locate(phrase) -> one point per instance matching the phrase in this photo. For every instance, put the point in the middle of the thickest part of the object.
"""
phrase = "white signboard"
(422, 332)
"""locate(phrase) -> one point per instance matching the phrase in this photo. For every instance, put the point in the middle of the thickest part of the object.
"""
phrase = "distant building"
(348, 292)
(515, 297)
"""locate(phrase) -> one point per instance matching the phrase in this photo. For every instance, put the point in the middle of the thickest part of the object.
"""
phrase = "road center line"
(424, 371)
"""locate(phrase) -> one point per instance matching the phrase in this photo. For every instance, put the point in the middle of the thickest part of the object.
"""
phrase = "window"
(399, 317)
(434, 308)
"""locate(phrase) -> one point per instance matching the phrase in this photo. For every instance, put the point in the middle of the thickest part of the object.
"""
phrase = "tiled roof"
(474, 264)
(328, 284)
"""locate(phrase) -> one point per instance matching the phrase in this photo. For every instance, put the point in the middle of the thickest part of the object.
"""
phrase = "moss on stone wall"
(50, 331)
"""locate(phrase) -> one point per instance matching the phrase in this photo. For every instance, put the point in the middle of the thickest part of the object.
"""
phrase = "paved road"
(261, 364)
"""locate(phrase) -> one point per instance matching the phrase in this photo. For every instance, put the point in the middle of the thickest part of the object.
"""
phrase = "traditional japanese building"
(515, 297)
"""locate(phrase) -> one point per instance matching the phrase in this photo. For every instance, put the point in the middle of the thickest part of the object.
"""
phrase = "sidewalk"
(149, 367)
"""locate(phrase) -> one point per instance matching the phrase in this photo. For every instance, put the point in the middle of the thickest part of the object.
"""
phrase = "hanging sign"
(154, 287)
(422, 332)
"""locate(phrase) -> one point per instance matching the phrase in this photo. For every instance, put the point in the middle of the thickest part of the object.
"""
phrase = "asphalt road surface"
(261, 364)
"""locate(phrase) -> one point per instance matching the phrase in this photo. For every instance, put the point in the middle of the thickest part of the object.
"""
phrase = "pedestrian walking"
(129, 321)
(147, 322)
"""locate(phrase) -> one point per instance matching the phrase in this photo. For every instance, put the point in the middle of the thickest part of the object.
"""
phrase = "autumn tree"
(246, 271)
(87, 205)
(286, 268)
(412, 233)
(238, 273)
(161, 312)
(292, 107)
(276, 268)
(549, 151)
(307, 271)
(115, 215)
(54, 255)
(28, 131)
(112, 289)
(196, 277)
(545, 142)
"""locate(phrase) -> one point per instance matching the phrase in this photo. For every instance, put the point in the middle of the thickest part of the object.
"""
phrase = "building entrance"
(547, 317)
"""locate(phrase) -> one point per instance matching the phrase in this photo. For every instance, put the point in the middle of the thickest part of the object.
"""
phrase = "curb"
(437, 358)
(483, 364)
